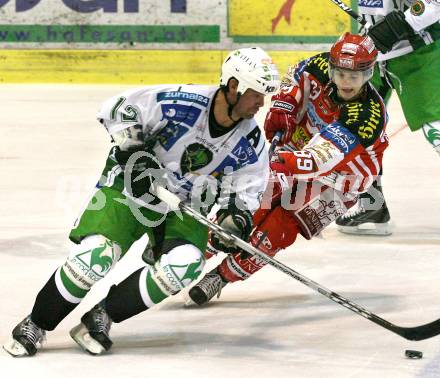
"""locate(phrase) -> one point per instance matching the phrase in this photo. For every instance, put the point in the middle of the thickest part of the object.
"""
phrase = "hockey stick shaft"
(422, 332)
(275, 140)
(351, 13)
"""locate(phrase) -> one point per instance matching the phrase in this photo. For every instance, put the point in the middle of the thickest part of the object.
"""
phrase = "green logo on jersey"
(417, 8)
(101, 256)
(192, 272)
(101, 259)
(195, 156)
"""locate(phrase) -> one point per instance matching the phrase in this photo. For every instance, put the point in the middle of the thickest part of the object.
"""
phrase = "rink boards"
(121, 66)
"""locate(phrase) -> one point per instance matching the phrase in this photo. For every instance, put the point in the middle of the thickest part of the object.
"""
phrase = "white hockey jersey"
(178, 117)
(422, 15)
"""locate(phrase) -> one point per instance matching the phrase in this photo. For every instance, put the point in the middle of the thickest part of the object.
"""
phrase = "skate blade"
(367, 229)
(80, 334)
(15, 349)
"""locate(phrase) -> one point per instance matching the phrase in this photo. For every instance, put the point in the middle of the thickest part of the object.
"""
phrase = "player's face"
(349, 83)
(249, 104)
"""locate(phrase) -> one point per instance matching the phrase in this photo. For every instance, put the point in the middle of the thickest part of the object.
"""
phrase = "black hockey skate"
(365, 222)
(366, 218)
(27, 337)
(92, 334)
(206, 288)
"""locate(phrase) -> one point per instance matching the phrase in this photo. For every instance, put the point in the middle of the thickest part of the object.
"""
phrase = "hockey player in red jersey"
(408, 35)
(333, 124)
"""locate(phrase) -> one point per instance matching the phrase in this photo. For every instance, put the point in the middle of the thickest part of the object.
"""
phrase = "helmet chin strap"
(230, 104)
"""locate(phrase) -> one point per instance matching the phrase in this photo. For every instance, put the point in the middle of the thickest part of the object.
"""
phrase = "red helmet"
(353, 52)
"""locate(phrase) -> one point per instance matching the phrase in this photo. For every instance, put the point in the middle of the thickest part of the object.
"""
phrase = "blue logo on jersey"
(314, 118)
(170, 134)
(340, 136)
(299, 69)
(183, 182)
(371, 3)
(183, 96)
(181, 113)
(242, 154)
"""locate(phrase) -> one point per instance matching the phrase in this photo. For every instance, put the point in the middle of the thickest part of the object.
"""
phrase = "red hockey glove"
(281, 117)
(290, 163)
(278, 163)
(279, 121)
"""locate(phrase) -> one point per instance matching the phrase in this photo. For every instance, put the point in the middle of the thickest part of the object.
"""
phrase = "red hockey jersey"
(340, 143)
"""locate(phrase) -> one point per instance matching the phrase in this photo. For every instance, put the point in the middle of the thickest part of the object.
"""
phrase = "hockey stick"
(367, 25)
(275, 140)
(351, 13)
(421, 332)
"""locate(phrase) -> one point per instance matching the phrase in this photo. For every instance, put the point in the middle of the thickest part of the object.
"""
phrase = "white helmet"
(252, 68)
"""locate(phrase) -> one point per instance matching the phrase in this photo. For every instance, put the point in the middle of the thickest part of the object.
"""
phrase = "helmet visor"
(356, 77)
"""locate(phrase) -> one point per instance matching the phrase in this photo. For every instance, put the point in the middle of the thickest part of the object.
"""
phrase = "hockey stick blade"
(417, 333)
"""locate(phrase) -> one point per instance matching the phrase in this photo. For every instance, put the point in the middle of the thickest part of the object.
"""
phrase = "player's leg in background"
(416, 79)
(420, 78)
(431, 130)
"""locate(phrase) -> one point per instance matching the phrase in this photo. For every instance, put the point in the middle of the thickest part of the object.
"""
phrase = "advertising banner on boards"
(149, 24)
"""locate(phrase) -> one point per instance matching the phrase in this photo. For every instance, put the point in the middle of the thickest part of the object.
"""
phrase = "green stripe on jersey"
(70, 286)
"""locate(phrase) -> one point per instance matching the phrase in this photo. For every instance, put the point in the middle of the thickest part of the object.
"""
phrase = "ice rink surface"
(52, 151)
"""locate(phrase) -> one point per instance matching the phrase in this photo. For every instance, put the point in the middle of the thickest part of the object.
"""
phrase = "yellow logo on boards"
(285, 18)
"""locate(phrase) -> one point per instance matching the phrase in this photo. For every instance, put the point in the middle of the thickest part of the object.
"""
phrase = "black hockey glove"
(204, 196)
(139, 170)
(391, 29)
(237, 222)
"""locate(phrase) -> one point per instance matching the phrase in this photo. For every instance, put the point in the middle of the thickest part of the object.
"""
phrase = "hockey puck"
(415, 354)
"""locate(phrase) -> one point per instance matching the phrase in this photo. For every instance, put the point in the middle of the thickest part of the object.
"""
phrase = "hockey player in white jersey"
(408, 35)
(204, 144)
